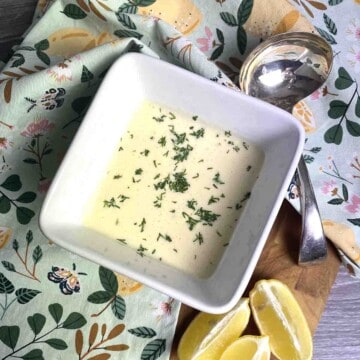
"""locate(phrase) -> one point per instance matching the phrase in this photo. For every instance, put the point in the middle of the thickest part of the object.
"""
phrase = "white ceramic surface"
(133, 78)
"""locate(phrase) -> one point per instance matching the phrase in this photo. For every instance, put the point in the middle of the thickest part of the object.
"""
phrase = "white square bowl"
(131, 80)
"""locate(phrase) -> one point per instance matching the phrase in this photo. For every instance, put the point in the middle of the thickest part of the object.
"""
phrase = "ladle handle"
(313, 243)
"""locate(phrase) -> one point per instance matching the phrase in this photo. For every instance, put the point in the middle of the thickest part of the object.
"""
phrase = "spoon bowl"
(283, 70)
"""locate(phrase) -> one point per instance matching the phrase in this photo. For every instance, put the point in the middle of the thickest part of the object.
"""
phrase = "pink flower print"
(206, 43)
(354, 207)
(353, 57)
(5, 143)
(38, 127)
(329, 187)
(44, 185)
(315, 95)
(353, 30)
(162, 310)
(60, 72)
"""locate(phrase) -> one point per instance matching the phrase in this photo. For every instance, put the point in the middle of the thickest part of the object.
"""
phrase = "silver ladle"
(283, 70)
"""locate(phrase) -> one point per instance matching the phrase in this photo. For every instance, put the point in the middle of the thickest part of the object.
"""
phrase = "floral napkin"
(57, 305)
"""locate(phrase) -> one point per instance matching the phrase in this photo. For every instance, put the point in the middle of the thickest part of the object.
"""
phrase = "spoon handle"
(313, 242)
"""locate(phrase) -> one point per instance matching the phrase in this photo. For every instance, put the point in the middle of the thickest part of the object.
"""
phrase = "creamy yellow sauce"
(175, 188)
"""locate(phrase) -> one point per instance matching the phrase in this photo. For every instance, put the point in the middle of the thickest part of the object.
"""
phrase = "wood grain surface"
(338, 333)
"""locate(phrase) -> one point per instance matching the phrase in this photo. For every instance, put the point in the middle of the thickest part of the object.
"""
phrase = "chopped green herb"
(122, 198)
(245, 145)
(217, 179)
(157, 202)
(207, 216)
(199, 238)
(165, 237)
(172, 211)
(179, 184)
(172, 116)
(202, 160)
(236, 148)
(209, 168)
(117, 176)
(122, 240)
(140, 250)
(120, 148)
(162, 141)
(248, 168)
(166, 153)
(154, 162)
(190, 220)
(138, 171)
(156, 176)
(213, 200)
(182, 153)
(195, 117)
(191, 204)
(196, 176)
(142, 225)
(135, 181)
(238, 206)
(145, 152)
(162, 184)
(153, 252)
(219, 234)
(175, 250)
(199, 133)
(222, 195)
(111, 203)
(160, 118)
(117, 222)
(228, 133)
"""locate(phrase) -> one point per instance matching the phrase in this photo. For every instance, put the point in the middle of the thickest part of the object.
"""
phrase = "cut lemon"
(208, 335)
(279, 316)
(248, 348)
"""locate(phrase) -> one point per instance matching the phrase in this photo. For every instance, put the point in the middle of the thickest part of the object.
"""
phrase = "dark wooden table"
(338, 334)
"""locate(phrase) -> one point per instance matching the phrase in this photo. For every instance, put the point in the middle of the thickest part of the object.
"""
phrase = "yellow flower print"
(302, 112)
(127, 286)
(5, 235)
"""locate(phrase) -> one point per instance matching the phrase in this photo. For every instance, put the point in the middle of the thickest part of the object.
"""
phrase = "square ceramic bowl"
(131, 80)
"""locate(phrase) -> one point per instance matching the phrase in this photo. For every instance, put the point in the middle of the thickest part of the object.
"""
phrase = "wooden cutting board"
(311, 285)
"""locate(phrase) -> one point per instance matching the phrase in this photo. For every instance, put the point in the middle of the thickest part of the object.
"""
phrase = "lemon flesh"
(248, 348)
(279, 316)
(208, 335)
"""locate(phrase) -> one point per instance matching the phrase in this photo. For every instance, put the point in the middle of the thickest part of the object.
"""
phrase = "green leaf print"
(43, 57)
(328, 37)
(143, 2)
(127, 8)
(81, 104)
(5, 205)
(125, 19)
(56, 311)
(154, 349)
(357, 107)
(108, 280)
(220, 36)
(24, 295)
(74, 12)
(337, 109)
(229, 19)
(143, 332)
(334, 135)
(6, 286)
(335, 201)
(86, 75)
(355, 221)
(127, 33)
(217, 52)
(42, 45)
(118, 307)
(26, 197)
(12, 183)
(24, 215)
(35, 354)
(8, 266)
(335, 2)
(344, 79)
(241, 39)
(57, 344)
(345, 192)
(36, 323)
(19, 60)
(9, 335)
(37, 254)
(353, 128)
(74, 321)
(100, 297)
(330, 24)
(244, 11)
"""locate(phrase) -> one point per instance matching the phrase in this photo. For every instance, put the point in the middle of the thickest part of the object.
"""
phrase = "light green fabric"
(45, 89)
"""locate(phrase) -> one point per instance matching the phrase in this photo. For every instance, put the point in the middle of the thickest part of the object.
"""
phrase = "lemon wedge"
(279, 316)
(208, 335)
(248, 348)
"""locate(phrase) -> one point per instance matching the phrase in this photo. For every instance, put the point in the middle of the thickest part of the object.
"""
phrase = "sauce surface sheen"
(175, 189)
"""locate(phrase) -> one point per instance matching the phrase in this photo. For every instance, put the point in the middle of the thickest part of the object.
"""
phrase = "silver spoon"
(283, 70)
